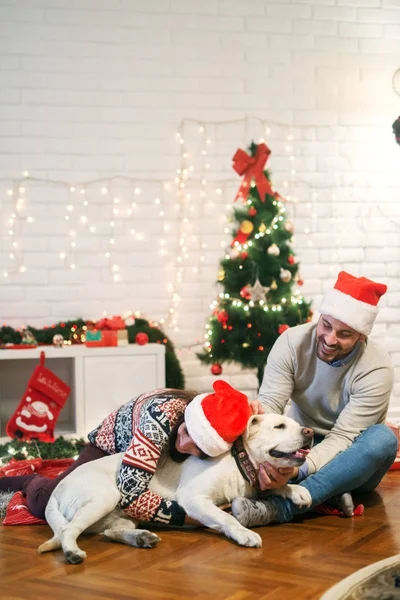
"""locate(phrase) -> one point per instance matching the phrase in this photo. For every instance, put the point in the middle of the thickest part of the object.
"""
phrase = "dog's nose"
(307, 432)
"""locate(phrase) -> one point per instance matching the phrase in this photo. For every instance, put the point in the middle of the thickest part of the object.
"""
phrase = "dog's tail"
(56, 520)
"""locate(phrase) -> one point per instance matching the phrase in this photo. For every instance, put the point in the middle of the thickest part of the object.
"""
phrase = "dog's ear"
(253, 426)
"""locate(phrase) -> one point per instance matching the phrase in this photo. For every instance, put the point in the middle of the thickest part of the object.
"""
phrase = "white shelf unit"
(101, 380)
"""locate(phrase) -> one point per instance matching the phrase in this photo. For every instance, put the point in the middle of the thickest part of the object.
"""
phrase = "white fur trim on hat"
(201, 431)
(358, 315)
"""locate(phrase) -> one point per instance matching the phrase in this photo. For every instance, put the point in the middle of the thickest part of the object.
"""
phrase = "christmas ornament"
(282, 328)
(240, 238)
(274, 285)
(221, 274)
(252, 167)
(28, 338)
(244, 255)
(216, 369)
(396, 130)
(58, 340)
(38, 410)
(273, 250)
(246, 227)
(245, 293)
(291, 259)
(285, 275)
(141, 339)
(289, 226)
(300, 282)
(258, 291)
(222, 317)
(252, 211)
(262, 228)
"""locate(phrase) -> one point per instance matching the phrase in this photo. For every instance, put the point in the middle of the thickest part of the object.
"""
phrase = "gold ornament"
(257, 291)
(262, 228)
(273, 250)
(274, 285)
(246, 227)
(221, 274)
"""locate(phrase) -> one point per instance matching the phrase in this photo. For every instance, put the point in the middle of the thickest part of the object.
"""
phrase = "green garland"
(173, 371)
(60, 448)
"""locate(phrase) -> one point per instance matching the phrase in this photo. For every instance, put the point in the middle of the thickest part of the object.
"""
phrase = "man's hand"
(257, 407)
(270, 478)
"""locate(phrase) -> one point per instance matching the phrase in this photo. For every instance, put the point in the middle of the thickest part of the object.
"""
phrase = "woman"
(180, 422)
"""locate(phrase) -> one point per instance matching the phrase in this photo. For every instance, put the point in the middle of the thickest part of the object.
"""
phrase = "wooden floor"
(298, 561)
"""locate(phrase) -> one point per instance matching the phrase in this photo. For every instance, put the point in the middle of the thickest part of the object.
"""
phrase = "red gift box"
(109, 332)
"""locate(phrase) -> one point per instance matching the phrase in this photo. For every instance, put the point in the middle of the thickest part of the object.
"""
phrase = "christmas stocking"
(40, 406)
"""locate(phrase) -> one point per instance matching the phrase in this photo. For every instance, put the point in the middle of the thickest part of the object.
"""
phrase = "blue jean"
(359, 468)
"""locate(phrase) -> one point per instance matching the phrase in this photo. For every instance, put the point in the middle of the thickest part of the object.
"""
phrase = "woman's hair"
(176, 456)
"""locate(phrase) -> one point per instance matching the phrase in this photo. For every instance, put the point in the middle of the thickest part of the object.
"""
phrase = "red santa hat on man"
(353, 300)
(215, 420)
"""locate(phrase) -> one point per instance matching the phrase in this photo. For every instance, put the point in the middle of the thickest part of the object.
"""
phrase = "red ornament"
(252, 211)
(291, 260)
(244, 255)
(244, 292)
(141, 339)
(300, 282)
(216, 369)
(223, 317)
(283, 328)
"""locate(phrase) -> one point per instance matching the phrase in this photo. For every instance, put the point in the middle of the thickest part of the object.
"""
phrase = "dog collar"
(244, 463)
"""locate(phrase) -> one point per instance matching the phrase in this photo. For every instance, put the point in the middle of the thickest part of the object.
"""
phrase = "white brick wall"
(94, 88)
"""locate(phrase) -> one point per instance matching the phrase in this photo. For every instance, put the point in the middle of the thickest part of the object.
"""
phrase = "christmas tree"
(259, 274)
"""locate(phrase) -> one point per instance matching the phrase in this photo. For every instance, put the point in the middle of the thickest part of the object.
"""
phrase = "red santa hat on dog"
(215, 420)
(353, 300)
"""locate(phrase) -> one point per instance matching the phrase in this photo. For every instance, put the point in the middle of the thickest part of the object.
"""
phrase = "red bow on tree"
(252, 167)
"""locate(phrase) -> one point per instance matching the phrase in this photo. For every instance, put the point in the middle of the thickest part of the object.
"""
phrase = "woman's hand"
(270, 478)
(257, 407)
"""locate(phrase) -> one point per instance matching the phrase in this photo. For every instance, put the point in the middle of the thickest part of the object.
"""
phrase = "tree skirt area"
(379, 581)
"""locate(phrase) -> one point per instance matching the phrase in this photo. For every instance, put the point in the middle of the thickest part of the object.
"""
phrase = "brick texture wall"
(92, 89)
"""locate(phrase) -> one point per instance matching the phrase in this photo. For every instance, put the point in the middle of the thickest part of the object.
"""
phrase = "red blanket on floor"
(17, 511)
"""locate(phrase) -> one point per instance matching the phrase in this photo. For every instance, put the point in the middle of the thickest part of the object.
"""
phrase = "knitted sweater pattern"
(141, 429)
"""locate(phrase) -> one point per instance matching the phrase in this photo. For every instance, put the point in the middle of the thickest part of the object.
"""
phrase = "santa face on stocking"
(34, 416)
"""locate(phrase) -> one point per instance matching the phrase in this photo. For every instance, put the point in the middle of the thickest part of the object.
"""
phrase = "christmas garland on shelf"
(73, 332)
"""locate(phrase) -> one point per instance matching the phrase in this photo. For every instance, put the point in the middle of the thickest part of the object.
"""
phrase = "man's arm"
(368, 405)
(278, 380)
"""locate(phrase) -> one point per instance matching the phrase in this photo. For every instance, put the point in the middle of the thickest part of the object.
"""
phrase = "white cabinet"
(101, 379)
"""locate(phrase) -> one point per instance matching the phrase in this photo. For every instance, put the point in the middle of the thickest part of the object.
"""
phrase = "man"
(339, 383)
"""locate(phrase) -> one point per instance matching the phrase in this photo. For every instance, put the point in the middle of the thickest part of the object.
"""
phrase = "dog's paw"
(75, 557)
(139, 538)
(246, 537)
(300, 496)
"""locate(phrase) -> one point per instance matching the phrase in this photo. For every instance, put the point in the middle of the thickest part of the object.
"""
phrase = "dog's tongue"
(302, 452)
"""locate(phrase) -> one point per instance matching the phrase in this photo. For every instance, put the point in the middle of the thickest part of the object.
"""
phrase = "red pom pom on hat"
(214, 421)
(353, 300)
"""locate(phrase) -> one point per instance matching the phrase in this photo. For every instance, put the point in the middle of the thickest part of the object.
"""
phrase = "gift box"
(107, 332)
